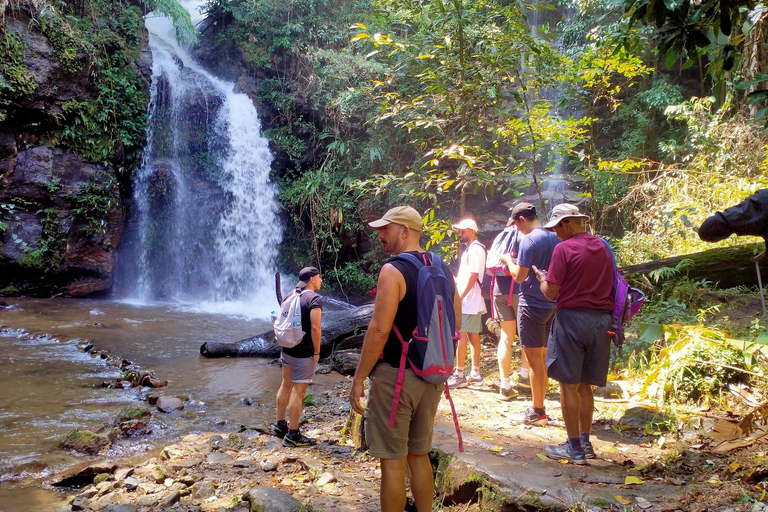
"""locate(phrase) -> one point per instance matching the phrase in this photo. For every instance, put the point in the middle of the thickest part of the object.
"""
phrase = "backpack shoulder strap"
(609, 248)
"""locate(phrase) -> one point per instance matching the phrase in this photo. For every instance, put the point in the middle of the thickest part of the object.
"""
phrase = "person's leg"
(537, 360)
(422, 481)
(461, 351)
(586, 407)
(504, 349)
(295, 405)
(570, 405)
(392, 494)
(474, 345)
(284, 393)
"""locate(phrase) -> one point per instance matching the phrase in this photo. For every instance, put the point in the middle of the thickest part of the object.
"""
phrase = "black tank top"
(406, 317)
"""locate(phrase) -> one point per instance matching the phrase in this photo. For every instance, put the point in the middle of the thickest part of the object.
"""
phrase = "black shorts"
(579, 347)
(533, 325)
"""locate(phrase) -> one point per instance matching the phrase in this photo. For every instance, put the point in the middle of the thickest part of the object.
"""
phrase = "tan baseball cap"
(403, 215)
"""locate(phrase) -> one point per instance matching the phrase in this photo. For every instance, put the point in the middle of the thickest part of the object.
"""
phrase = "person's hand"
(316, 357)
(540, 275)
(355, 395)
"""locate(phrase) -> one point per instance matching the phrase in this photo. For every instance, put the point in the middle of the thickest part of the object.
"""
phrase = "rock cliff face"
(61, 213)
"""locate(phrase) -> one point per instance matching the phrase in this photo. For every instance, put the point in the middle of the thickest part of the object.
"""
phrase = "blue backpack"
(627, 302)
(431, 349)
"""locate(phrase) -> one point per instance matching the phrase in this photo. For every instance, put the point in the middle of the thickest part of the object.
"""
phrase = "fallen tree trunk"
(341, 330)
(725, 266)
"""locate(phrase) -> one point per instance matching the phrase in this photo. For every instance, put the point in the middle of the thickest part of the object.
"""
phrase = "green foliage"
(52, 249)
(185, 29)
(16, 81)
(93, 205)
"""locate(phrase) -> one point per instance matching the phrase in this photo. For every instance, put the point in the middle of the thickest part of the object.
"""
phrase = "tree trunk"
(341, 329)
(724, 266)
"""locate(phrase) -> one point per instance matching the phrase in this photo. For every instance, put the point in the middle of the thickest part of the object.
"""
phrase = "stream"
(53, 387)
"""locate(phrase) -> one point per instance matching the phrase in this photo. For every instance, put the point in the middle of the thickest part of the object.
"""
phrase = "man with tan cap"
(468, 282)
(405, 446)
(580, 276)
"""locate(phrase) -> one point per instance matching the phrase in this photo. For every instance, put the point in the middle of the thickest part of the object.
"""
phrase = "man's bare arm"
(316, 318)
(469, 284)
(390, 288)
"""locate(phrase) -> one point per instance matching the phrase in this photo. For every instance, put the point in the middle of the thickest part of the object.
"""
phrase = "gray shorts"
(533, 325)
(579, 347)
(503, 311)
(412, 433)
(302, 368)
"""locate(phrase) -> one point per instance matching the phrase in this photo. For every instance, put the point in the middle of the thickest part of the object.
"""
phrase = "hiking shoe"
(563, 451)
(589, 452)
(454, 381)
(522, 382)
(531, 417)
(507, 394)
(299, 441)
(475, 379)
(279, 431)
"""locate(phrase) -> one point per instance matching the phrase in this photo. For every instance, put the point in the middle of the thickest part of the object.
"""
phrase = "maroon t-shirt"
(583, 267)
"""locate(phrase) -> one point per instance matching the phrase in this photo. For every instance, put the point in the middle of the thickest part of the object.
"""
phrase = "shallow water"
(53, 387)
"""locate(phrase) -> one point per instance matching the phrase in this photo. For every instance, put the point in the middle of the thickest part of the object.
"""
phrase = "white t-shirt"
(472, 262)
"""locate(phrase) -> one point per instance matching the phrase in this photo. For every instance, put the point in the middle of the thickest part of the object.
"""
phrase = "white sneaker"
(456, 381)
(475, 379)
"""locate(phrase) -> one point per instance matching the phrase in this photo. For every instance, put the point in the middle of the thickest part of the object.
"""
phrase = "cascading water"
(204, 228)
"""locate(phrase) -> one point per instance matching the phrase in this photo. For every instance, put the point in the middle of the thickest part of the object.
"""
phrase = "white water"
(205, 231)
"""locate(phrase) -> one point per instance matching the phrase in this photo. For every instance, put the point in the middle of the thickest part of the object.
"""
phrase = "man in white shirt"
(468, 281)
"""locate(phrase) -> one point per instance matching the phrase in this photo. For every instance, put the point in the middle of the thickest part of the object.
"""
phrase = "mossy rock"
(458, 483)
(131, 412)
(85, 441)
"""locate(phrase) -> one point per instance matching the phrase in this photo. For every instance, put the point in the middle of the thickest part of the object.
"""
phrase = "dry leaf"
(715, 480)
(621, 499)
(497, 448)
(630, 480)
(544, 457)
(734, 466)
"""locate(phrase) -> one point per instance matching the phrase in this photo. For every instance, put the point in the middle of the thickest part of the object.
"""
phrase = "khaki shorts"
(412, 433)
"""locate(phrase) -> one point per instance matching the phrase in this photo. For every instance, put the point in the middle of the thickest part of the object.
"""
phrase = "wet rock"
(119, 507)
(85, 441)
(135, 411)
(78, 503)
(158, 474)
(273, 500)
(151, 381)
(235, 442)
(131, 483)
(83, 474)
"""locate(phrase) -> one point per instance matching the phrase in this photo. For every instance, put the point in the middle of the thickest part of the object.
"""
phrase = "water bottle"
(274, 317)
(296, 320)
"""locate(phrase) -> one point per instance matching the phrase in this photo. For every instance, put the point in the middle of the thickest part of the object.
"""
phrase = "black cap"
(525, 209)
(305, 275)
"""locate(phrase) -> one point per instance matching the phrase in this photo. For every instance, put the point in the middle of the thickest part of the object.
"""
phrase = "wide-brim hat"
(564, 211)
(403, 215)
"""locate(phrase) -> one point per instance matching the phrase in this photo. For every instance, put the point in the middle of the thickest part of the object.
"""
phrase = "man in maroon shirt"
(580, 277)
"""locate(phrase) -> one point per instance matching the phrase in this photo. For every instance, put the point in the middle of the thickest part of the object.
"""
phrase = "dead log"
(340, 328)
(725, 266)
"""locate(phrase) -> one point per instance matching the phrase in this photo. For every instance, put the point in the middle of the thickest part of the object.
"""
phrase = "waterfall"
(204, 228)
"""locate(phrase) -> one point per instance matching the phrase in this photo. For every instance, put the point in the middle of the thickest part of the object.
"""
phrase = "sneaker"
(279, 431)
(563, 451)
(530, 417)
(507, 394)
(475, 379)
(589, 452)
(454, 381)
(522, 382)
(300, 441)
